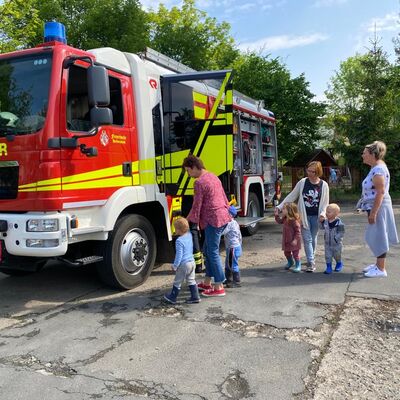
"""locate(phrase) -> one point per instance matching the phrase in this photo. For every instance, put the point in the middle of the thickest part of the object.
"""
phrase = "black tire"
(129, 253)
(253, 210)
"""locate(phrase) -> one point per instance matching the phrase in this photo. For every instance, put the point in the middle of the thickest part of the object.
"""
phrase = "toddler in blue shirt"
(233, 246)
(184, 265)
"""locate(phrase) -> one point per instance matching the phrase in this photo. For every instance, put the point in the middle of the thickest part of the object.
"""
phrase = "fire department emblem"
(104, 139)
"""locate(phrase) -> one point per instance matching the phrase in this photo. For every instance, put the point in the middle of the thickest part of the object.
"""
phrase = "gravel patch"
(363, 359)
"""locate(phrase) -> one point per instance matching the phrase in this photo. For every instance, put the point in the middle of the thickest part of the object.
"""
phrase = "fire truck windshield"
(24, 93)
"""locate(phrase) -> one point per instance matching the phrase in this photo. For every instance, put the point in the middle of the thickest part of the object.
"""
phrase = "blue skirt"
(383, 233)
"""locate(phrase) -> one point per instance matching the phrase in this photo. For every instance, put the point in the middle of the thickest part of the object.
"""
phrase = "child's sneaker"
(339, 266)
(203, 286)
(214, 292)
(328, 268)
(376, 273)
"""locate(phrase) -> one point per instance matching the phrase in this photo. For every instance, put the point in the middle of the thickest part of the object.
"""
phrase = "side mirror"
(101, 116)
(98, 86)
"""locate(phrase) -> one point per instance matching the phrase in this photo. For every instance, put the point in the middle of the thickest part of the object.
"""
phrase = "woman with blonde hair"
(376, 201)
(312, 197)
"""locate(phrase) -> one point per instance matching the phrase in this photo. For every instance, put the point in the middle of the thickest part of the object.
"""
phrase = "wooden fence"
(343, 177)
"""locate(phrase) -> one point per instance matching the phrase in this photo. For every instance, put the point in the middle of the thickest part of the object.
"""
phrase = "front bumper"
(16, 238)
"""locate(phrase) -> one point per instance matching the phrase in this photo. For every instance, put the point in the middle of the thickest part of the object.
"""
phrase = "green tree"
(363, 105)
(289, 98)
(89, 23)
(19, 23)
(191, 37)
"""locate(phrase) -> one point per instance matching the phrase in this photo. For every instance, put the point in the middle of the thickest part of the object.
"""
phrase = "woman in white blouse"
(376, 201)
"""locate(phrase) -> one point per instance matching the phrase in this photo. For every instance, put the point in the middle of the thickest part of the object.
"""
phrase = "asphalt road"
(63, 335)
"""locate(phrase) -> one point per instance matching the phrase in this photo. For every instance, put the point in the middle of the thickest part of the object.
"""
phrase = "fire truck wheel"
(129, 253)
(253, 210)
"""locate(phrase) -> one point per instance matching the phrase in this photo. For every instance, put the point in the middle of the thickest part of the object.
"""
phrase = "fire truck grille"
(8, 181)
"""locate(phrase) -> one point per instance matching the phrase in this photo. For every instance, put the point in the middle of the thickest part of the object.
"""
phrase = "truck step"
(82, 261)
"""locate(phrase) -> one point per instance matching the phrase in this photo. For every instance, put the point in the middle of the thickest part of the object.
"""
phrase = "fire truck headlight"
(42, 243)
(42, 225)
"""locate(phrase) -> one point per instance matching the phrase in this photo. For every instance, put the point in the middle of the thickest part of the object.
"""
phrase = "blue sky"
(309, 36)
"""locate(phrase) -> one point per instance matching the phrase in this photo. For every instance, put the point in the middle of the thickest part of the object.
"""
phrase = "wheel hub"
(134, 251)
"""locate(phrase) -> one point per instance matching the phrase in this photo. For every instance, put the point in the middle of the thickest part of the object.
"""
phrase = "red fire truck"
(91, 148)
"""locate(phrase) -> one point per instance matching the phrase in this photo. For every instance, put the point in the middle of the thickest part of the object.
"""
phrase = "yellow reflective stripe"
(176, 205)
(147, 173)
(146, 178)
(48, 188)
(53, 181)
(135, 166)
(99, 173)
(175, 159)
(147, 164)
(27, 186)
(27, 190)
(199, 109)
(109, 177)
(199, 97)
(219, 122)
(229, 97)
(224, 119)
(198, 259)
(178, 157)
(212, 113)
(221, 119)
(42, 189)
(199, 112)
(118, 181)
(215, 148)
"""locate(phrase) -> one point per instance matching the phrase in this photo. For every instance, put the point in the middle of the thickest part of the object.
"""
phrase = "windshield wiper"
(7, 130)
(11, 131)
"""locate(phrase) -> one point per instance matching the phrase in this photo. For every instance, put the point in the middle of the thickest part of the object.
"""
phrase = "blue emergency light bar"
(54, 31)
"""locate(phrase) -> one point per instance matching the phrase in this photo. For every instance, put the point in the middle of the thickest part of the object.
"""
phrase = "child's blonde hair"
(335, 207)
(182, 225)
(292, 211)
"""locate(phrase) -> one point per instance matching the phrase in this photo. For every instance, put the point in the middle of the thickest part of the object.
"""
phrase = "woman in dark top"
(312, 197)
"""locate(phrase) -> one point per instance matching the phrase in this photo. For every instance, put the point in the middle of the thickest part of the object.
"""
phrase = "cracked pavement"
(63, 335)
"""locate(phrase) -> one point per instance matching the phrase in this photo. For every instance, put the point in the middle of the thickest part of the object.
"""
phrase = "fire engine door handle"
(127, 168)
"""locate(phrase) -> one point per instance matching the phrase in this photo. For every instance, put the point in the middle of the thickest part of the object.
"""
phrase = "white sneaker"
(375, 273)
(366, 269)
(310, 267)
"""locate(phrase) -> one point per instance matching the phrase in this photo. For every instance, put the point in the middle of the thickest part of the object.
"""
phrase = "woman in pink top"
(210, 210)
